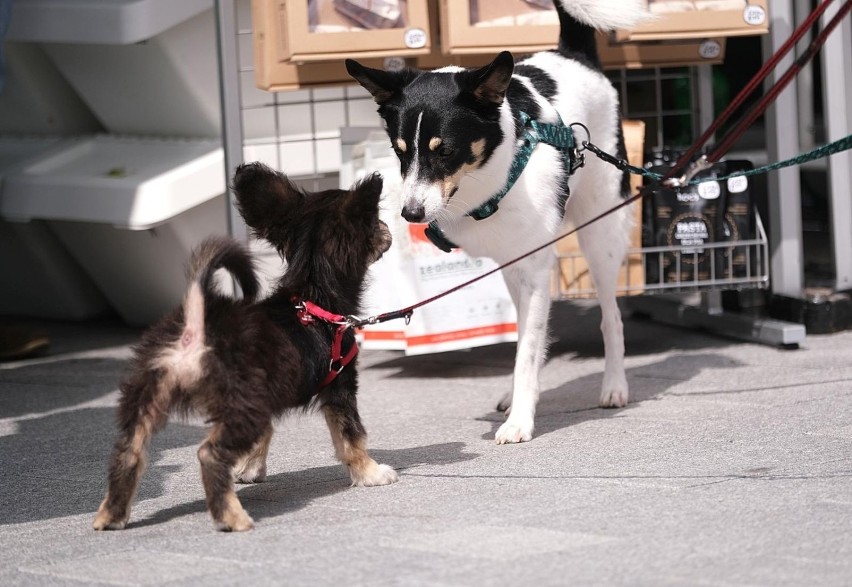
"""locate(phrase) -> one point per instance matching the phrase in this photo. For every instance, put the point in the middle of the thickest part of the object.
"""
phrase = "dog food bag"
(738, 221)
(687, 218)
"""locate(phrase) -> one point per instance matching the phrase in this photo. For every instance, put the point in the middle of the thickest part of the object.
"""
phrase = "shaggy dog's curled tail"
(212, 254)
(219, 252)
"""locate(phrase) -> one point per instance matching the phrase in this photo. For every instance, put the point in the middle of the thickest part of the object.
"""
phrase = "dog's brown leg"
(148, 412)
(217, 464)
(251, 468)
(350, 444)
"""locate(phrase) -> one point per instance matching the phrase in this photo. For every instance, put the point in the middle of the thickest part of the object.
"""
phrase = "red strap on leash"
(307, 312)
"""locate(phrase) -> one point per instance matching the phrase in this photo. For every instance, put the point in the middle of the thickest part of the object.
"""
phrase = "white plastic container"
(123, 181)
(114, 22)
(39, 277)
(129, 211)
(167, 86)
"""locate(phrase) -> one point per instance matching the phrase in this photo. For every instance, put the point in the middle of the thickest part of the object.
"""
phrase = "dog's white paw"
(514, 430)
(375, 475)
(613, 397)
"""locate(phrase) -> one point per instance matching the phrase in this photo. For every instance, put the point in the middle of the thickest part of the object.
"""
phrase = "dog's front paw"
(106, 520)
(374, 475)
(613, 397)
(235, 521)
(513, 431)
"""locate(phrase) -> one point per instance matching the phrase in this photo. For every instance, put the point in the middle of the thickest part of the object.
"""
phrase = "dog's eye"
(399, 152)
(446, 151)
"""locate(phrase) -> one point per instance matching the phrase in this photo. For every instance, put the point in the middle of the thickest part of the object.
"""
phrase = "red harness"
(307, 313)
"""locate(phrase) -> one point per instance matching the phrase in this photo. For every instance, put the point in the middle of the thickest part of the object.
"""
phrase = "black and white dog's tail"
(579, 19)
(212, 254)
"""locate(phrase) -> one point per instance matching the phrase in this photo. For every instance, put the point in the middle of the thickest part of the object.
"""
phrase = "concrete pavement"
(732, 465)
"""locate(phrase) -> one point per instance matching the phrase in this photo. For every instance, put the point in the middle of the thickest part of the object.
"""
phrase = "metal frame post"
(229, 91)
(782, 142)
(837, 84)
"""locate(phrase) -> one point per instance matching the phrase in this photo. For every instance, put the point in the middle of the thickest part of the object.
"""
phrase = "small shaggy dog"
(242, 362)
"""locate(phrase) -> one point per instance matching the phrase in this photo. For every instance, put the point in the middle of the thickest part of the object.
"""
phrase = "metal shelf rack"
(571, 278)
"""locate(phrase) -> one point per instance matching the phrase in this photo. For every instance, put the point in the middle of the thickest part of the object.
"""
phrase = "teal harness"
(556, 135)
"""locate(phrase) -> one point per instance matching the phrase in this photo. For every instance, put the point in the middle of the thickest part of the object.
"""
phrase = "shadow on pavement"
(576, 401)
(290, 491)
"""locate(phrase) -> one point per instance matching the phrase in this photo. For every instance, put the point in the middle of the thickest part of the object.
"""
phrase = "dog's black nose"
(414, 213)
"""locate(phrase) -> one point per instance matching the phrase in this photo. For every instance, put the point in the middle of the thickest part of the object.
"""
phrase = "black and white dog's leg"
(604, 245)
(529, 284)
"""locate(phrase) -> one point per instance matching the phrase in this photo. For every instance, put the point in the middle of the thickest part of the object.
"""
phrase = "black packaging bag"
(694, 216)
(737, 223)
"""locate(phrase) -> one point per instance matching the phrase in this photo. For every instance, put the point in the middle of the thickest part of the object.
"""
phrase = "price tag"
(709, 49)
(709, 190)
(415, 38)
(754, 15)
(737, 184)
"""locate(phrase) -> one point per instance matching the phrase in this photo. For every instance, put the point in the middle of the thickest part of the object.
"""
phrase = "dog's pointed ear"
(489, 84)
(365, 195)
(267, 200)
(383, 85)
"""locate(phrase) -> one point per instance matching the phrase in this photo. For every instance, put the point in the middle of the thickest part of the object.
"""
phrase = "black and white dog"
(457, 132)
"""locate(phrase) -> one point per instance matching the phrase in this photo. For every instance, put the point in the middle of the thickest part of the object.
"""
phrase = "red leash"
(756, 110)
(717, 153)
(750, 87)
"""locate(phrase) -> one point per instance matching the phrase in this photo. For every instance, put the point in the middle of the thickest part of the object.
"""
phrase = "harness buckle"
(577, 160)
(336, 365)
(302, 314)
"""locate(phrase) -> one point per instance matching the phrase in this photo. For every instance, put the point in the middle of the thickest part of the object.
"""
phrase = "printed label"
(415, 38)
(691, 232)
(709, 190)
(737, 184)
(709, 49)
(754, 15)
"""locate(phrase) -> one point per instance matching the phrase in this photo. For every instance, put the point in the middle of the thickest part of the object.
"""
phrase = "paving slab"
(732, 465)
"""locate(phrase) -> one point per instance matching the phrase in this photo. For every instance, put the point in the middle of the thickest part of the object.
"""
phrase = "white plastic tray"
(117, 22)
(16, 150)
(126, 182)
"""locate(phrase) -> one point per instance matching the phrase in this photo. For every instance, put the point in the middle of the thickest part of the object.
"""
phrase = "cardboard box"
(272, 73)
(691, 19)
(491, 26)
(324, 30)
(571, 276)
(643, 55)
(474, 31)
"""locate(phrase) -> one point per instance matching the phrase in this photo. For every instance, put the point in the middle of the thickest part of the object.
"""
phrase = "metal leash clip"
(701, 164)
(578, 158)
(355, 322)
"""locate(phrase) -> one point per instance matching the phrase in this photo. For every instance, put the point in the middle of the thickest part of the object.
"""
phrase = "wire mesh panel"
(571, 279)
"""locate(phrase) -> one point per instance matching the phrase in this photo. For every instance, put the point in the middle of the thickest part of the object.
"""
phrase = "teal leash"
(837, 146)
